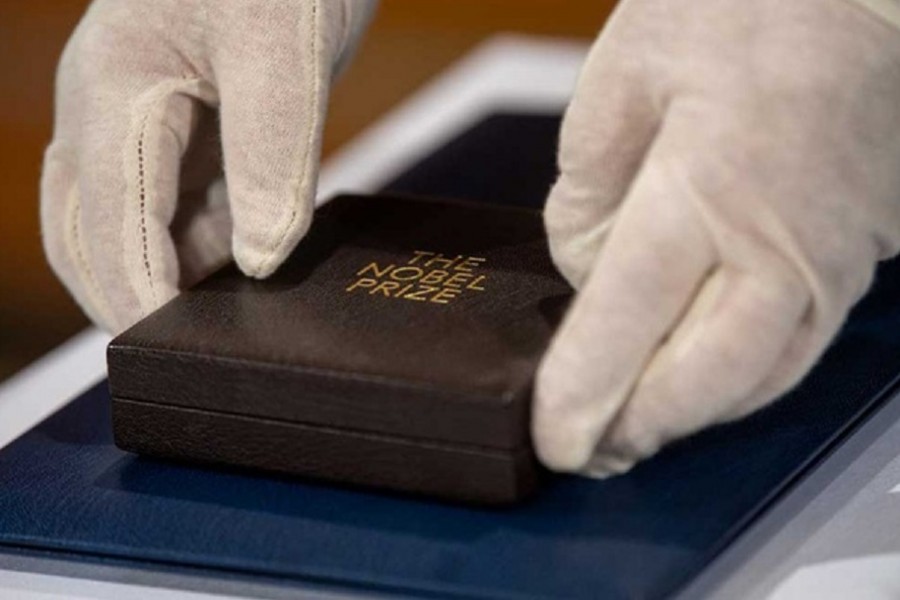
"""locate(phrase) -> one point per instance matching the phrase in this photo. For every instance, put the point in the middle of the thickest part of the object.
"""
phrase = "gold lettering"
(419, 254)
(434, 277)
(365, 282)
(385, 287)
(374, 267)
(443, 261)
(457, 280)
(419, 281)
(470, 263)
(474, 284)
(409, 273)
(445, 295)
(420, 295)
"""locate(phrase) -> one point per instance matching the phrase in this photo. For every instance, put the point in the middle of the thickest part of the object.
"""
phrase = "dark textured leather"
(420, 322)
(338, 455)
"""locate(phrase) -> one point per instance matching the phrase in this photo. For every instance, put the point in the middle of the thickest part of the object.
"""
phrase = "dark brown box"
(396, 348)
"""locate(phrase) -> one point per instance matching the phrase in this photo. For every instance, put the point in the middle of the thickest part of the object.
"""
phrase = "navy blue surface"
(64, 485)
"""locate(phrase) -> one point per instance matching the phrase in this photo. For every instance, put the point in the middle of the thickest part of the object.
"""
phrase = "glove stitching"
(142, 191)
(92, 289)
(139, 183)
(300, 181)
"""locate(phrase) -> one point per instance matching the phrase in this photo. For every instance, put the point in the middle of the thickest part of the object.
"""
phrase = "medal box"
(395, 348)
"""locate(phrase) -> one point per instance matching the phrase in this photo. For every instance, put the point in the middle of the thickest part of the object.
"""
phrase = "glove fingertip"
(562, 440)
(261, 245)
(604, 466)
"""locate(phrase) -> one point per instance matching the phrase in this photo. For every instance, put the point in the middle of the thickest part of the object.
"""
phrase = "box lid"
(411, 317)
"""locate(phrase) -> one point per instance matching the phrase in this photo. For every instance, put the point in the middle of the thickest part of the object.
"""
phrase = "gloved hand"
(730, 175)
(128, 205)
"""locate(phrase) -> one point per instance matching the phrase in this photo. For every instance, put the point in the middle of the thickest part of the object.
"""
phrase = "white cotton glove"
(730, 175)
(151, 95)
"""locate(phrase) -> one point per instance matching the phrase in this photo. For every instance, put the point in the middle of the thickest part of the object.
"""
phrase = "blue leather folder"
(64, 487)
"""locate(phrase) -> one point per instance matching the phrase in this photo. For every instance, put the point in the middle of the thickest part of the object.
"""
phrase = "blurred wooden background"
(409, 42)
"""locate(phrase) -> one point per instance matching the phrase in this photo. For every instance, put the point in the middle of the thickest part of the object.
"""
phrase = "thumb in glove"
(151, 96)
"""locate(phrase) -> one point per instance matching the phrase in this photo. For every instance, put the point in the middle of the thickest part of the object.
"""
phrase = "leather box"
(396, 348)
